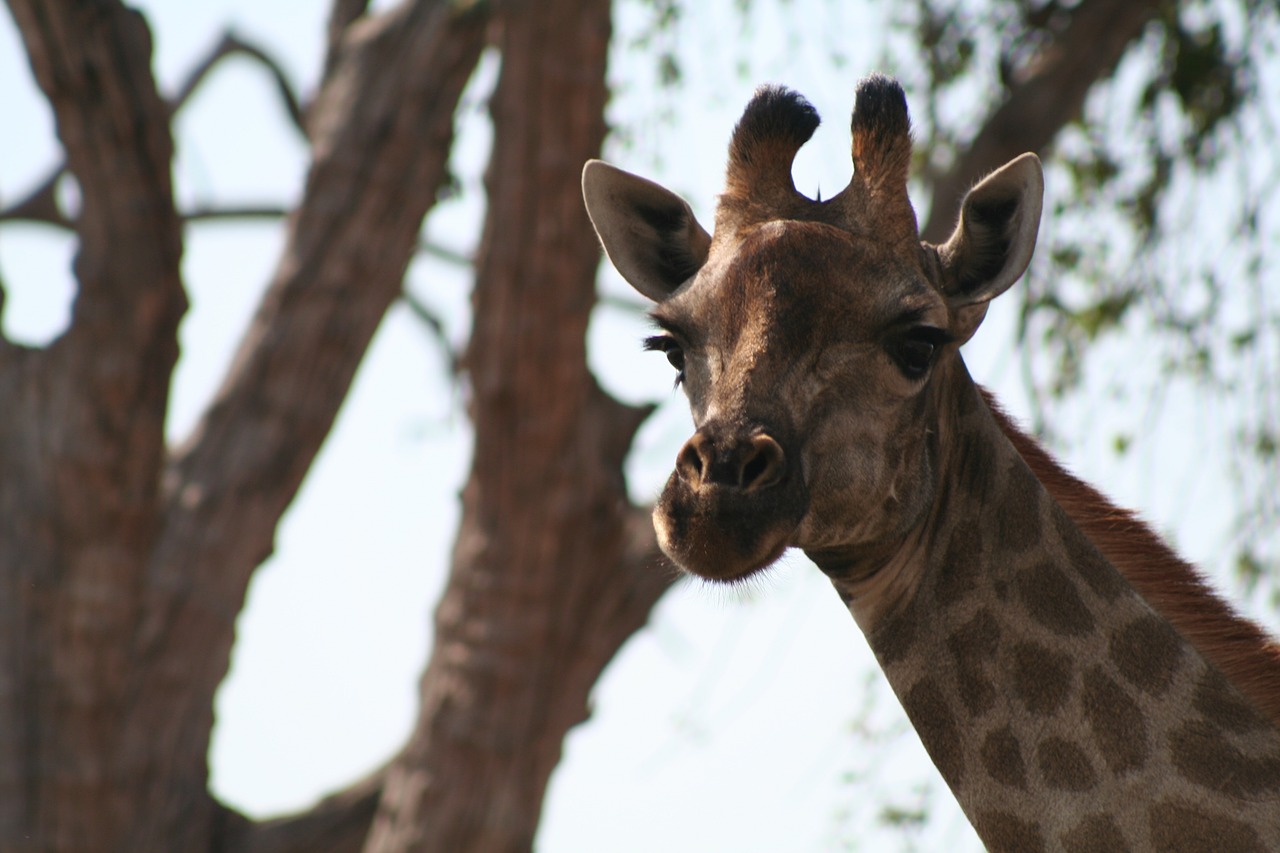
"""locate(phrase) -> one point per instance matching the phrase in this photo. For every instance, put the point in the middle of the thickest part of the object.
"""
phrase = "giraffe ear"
(993, 241)
(648, 232)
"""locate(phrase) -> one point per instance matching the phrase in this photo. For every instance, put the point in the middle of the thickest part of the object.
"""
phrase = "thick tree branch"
(553, 570)
(93, 62)
(342, 14)
(82, 440)
(1046, 96)
(382, 129)
(337, 824)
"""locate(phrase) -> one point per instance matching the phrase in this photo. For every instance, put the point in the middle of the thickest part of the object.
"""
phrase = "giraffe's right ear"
(993, 241)
(648, 231)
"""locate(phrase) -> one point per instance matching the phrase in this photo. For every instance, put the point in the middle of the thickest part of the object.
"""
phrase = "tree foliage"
(1155, 265)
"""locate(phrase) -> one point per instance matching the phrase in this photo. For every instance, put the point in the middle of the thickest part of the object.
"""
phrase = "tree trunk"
(123, 566)
(82, 444)
(553, 569)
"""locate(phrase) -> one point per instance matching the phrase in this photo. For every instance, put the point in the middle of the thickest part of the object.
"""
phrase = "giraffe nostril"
(691, 462)
(746, 464)
(764, 465)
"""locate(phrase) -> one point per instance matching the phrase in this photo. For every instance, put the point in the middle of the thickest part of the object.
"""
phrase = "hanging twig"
(436, 330)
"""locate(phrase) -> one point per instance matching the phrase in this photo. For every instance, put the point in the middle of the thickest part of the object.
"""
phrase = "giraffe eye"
(914, 351)
(675, 355)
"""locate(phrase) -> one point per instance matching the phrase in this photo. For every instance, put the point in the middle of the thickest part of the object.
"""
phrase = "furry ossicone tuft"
(774, 125)
(881, 133)
(778, 121)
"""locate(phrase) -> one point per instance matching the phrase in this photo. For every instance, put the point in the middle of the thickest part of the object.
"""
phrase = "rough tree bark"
(123, 564)
(82, 445)
(552, 569)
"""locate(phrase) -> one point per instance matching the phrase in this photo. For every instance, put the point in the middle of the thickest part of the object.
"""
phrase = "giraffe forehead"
(799, 283)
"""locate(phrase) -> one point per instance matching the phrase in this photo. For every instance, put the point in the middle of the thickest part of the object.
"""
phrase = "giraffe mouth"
(724, 535)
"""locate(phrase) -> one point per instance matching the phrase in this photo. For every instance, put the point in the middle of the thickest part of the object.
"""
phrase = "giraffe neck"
(1063, 712)
(1240, 648)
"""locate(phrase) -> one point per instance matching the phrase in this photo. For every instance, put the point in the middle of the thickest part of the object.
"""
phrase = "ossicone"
(773, 127)
(881, 137)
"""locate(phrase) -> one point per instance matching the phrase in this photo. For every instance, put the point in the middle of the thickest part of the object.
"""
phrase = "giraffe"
(818, 345)
(1239, 647)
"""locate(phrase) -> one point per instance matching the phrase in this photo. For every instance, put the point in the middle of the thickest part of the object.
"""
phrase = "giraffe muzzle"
(750, 464)
(733, 503)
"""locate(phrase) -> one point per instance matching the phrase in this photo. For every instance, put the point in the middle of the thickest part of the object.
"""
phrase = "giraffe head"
(813, 338)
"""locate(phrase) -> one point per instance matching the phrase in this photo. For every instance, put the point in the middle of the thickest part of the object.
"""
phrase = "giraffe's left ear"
(649, 232)
(993, 241)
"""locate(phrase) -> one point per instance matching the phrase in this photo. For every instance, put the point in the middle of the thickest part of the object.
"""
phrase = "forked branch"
(41, 204)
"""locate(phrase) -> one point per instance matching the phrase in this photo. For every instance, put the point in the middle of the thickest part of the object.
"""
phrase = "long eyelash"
(657, 343)
(931, 334)
(662, 343)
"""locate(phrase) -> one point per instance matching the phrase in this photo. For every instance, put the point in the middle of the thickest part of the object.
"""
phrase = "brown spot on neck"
(934, 721)
(1117, 722)
(1096, 833)
(1002, 758)
(1006, 833)
(1053, 600)
(1182, 828)
(1042, 678)
(1147, 652)
(1205, 758)
(1242, 650)
(1064, 765)
(973, 648)
(1223, 706)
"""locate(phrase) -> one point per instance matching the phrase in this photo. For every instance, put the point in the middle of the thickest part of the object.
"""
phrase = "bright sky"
(731, 723)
